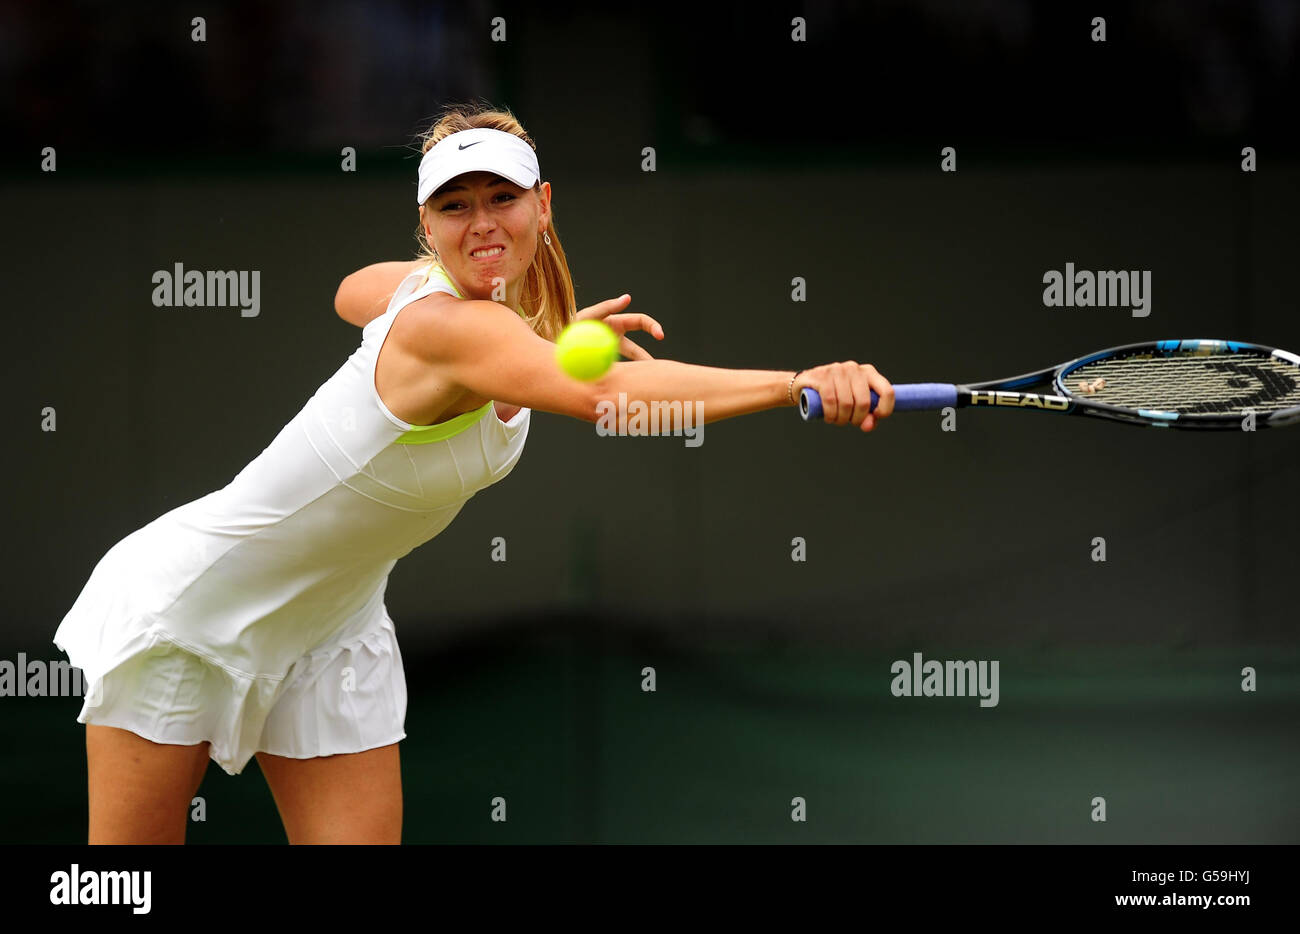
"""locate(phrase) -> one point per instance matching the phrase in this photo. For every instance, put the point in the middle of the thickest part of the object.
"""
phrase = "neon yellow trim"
(436, 271)
(427, 434)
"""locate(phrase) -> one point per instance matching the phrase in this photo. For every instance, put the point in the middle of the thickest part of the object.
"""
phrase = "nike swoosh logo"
(467, 145)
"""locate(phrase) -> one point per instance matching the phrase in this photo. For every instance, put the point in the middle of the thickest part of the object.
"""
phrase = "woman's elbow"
(589, 411)
(581, 403)
(599, 399)
(576, 400)
(340, 298)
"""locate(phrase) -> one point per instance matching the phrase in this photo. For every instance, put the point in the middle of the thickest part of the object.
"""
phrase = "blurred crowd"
(304, 74)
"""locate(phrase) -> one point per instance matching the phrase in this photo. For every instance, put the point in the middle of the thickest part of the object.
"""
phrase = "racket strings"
(1190, 384)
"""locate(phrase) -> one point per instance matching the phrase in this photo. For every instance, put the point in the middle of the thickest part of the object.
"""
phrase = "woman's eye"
(503, 197)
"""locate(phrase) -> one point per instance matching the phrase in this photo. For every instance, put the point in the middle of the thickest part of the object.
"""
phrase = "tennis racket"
(1165, 384)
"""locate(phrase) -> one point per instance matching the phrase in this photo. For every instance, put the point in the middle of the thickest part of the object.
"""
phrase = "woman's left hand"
(621, 323)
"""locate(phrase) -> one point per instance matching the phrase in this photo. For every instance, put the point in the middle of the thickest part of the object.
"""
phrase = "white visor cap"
(478, 150)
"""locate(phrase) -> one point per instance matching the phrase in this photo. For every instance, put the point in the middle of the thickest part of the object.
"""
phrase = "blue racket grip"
(908, 397)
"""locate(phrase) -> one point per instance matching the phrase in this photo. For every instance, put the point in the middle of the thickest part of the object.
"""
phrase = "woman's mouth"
(487, 252)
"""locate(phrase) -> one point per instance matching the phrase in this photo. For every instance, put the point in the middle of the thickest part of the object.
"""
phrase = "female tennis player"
(251, 621)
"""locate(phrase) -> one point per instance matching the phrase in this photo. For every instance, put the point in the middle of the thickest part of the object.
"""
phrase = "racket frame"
(1009, 393)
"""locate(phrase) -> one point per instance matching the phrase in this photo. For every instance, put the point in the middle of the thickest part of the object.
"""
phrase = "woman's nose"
(482, 219)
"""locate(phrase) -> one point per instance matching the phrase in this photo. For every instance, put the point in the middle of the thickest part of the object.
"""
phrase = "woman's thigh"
(348, 798)
(140, 791)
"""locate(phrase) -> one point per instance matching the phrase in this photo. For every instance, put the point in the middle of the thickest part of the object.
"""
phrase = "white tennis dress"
(254, 616)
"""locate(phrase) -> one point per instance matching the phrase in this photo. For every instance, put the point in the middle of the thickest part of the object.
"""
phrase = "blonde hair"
(547, 298)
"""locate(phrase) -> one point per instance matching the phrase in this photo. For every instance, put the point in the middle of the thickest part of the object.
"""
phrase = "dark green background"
(1119, 679)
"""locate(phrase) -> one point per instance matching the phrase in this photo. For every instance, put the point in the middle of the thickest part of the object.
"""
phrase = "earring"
(546, 237)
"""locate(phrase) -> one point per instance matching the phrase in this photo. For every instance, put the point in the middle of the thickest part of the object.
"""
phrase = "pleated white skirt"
(346, 696)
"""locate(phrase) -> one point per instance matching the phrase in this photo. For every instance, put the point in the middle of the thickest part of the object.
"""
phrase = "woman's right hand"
(845, 389)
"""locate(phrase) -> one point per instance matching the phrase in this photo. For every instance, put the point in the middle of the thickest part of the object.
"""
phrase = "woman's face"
(485, 230)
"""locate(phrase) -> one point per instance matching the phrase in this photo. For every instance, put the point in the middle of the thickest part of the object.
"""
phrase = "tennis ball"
(586, 349)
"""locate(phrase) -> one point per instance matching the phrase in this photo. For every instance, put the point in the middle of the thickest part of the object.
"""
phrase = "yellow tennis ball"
(586, 349)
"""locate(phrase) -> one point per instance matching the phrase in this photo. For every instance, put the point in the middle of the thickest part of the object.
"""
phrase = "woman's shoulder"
(433, 279)
(425, 321)
(425, 286)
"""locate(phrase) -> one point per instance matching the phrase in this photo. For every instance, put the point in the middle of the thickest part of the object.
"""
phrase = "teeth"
(489, 252)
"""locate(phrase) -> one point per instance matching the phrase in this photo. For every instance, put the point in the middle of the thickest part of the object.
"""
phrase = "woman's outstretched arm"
(488, 349)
